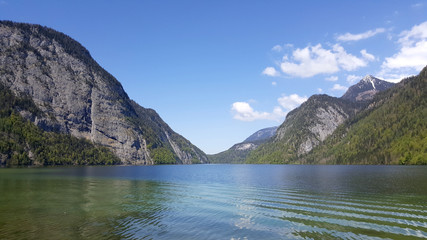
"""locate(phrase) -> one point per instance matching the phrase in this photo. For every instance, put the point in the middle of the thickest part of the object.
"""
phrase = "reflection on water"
(214, 202)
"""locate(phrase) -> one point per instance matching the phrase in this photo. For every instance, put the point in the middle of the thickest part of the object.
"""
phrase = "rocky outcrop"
(391, 129)
(80, 98)
(366, 89)
(310, 124)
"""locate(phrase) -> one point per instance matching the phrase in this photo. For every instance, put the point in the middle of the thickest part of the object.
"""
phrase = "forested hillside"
(393, 130)
(304, 128)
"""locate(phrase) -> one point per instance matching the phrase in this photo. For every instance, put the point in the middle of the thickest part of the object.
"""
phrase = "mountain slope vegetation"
(78, 97)
(239, 152)
(23, 143)
(304, 128)
(373, 123)
(392, 130)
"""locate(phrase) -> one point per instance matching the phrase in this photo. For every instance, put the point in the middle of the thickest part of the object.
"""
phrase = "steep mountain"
(238, 152)
(23, 143)
(392, 130)
(366, 89)
(304, 128)
(78, 97)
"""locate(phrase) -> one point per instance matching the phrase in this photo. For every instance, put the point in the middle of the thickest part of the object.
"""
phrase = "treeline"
(23, 143)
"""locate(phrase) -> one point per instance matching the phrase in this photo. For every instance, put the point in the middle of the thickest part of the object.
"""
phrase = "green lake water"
(214, 202)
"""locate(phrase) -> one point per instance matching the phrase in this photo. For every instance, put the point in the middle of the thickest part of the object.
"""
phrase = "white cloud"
(332, 79)
(338, 87)
(347, 61)
(277, 48)
(319, 90)
(285, 58)
(351, 79)
(274, 83)
(367, 55)
(410, 37)
(271, 71)
(412, 56)
(417, 5)
(244, 112)
(292, 101)
(356, 37)
(313, 60)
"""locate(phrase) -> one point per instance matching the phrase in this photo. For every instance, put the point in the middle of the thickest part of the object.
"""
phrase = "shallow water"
(214, 202)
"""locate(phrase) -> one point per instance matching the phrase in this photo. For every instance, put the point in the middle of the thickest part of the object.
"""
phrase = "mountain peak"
(369, 78)
(366, 88)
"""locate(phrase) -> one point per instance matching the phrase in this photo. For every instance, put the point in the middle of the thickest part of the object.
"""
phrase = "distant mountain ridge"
(366, 89)
(375, 122)
(392, 129)
(238, 152)
(78, 97)
(262, 135)
(304, 128)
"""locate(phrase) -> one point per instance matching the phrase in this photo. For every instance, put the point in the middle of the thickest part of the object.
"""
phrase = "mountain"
(261, 135)
(304, 128)
(23, 143)
(238, 152)
(366, 89)
(78, 97)
(391, 130)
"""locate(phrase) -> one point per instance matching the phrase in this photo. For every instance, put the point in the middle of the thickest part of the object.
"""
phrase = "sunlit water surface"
(214, 202)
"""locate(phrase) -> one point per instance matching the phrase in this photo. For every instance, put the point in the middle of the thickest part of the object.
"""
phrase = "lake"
(214, 202)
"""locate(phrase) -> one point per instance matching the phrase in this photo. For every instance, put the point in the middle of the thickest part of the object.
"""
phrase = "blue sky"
(217, 71)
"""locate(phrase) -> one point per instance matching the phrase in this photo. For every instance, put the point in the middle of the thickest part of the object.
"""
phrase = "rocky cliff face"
(80, 98)
(310, 124)
(313, 121)
(392, 129)
(366, 89)
(304, 128)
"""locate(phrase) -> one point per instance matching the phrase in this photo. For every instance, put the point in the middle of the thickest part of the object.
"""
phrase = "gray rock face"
(244, 146)
(262, 135)
(365, 89)
(310, 124)
(79, 97)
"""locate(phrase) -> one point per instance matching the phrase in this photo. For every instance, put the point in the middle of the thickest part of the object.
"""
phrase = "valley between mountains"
(60, 107)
